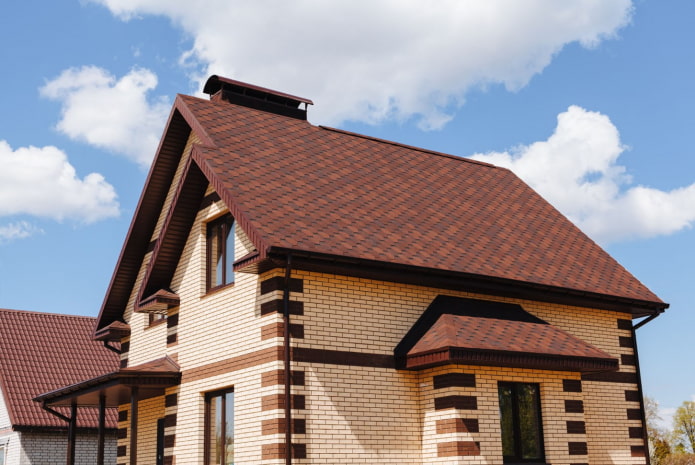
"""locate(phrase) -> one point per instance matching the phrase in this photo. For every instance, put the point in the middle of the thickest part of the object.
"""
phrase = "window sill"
(215, 290)
(156, 323)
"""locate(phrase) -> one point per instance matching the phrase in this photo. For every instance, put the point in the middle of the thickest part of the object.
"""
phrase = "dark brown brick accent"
(572, 385)
(277, 283)
(277, 377)
(122, 433)
(276, 306)
(277, 401)
(458, 449)
(122, 415)
(577, 448)
(125, 347)
(454, 380)
(636, 432)
(277, 426)
(209, 200)
(626, 359)
(172, 339)
(278, 330)
(120, 451)
(576, 427)
(168, 460)
(611, 377)
(458, 425)
(459, 402)
(634, 414)
(277, 451)
(170, 420)
(632, 396)
(171, 400)
(637, 451)
(625, 341)
(624, 324)
(124, 363)
(172, 320)
(574, 406)
(169, 440)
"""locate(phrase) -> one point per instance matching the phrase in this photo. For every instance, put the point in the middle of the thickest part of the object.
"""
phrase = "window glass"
(2, 455)
(220, 252)
(520, 422)
(219, 433)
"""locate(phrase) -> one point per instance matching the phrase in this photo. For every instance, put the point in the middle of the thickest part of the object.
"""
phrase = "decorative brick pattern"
(572, 385)
(457, 402)
(277, 283)
(574, 406)
(277, 378)
(277, 426)
(454, 380)
(277, 306)
(458, 425)
(577, 448)
(277, 329)
(576, 427)
(277, 451)
(458, 449)
(277, 401)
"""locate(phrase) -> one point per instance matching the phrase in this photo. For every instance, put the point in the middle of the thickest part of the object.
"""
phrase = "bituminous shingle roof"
(297, 187)
(40, 352)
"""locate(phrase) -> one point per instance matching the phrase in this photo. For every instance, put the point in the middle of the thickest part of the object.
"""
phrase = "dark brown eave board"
(57, 429)
(143, 223)
(443, 279)
(478, 357)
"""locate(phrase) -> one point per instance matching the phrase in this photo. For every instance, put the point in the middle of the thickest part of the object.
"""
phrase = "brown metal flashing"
(215, 83)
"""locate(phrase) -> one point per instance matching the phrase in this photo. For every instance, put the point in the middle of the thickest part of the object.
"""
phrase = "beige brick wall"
(51, 449)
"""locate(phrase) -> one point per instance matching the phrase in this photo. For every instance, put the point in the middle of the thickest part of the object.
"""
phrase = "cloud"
(577, 170)
(41, 182)
(383, 59)
(17, 230)
(110, 113)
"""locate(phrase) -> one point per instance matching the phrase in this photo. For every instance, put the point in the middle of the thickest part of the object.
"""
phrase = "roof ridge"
(411, 147)
(34, 312)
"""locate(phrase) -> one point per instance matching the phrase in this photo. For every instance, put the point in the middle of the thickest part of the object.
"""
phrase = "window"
(154, 318)
(220, 252)
(219, 428)
(2, 455)
(520, 421)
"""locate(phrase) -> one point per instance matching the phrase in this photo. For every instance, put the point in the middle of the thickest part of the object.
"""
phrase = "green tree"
(659, 447)
(684, 426)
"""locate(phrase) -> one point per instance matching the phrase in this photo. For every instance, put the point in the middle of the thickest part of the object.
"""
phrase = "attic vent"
(249, 95)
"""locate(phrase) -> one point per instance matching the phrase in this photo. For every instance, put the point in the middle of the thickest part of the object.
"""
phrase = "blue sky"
(590, 102)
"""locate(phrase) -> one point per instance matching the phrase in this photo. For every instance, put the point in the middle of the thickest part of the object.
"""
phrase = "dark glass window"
(220, 252)
(520, 421)
(219, 428)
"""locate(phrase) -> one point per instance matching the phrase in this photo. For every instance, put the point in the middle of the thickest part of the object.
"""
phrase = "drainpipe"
(645, 438)
(286, 343)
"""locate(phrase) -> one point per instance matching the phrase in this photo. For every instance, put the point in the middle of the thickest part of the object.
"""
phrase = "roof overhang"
(456, 330)
(151, 378)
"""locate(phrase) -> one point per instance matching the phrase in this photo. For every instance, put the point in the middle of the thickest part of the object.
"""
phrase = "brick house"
(289, 293)
(40, 352)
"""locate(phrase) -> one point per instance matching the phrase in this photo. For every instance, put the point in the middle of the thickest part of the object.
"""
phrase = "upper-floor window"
(520, 421)
(220, 252)
(219, 428)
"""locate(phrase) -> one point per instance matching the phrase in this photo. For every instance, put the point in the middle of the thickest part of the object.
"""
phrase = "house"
(289, 293)
(40, 352)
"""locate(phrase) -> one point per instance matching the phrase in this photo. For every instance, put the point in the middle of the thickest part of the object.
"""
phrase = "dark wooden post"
(72, 431)
(134, 425)
(102, 428)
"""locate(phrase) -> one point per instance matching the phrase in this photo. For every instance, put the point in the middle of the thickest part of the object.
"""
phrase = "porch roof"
(151, 378)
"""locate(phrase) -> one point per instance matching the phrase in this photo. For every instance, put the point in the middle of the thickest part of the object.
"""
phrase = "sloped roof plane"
(40, 352)
(326, 194)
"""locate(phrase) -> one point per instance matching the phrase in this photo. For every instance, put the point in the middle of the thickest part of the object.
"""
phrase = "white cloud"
(17, 230)
(110, 113)
(383, 59)
(41, 182)
(577, 171)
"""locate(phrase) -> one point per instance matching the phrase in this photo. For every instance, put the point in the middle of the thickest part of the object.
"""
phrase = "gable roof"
(343, 201)
(40, 352)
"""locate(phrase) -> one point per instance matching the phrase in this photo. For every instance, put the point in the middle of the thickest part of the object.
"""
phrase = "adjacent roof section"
(40, 352)
(457, 330)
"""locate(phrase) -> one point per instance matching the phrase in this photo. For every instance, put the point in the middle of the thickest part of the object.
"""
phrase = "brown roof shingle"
(40, 352)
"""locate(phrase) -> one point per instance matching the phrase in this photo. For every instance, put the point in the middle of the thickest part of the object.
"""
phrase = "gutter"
(286, 350)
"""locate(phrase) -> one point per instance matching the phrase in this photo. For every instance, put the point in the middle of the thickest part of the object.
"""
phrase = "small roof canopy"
(477, 332)
(151, 378)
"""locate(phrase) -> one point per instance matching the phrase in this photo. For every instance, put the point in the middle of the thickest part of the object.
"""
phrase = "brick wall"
(51, 449)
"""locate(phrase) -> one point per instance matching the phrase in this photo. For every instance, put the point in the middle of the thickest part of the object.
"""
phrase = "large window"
(220, 252)
(520, 420)
(219, 428)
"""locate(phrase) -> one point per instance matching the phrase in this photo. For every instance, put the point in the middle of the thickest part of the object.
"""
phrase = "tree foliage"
(684, 426)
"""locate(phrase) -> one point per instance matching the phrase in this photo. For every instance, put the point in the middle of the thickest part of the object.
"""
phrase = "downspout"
(645, 437)
(288, 377)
